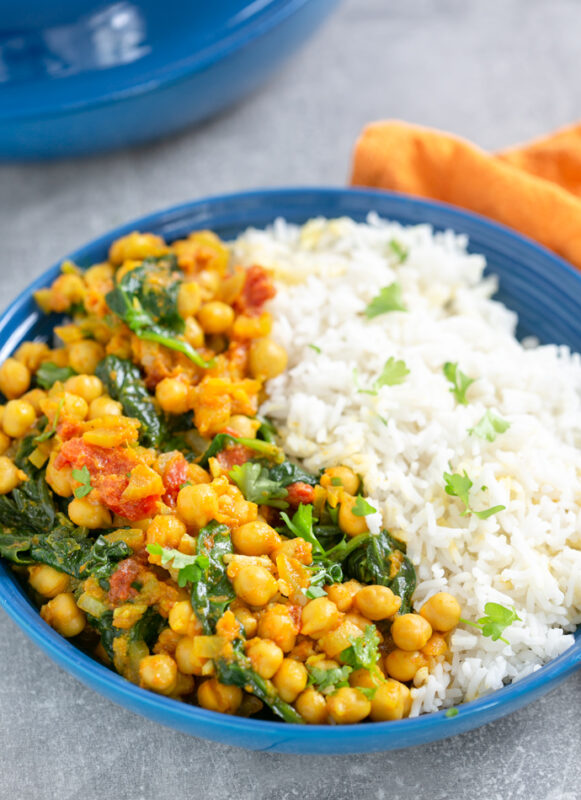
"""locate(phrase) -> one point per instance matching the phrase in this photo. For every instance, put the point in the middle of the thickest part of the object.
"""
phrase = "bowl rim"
(470, 715)
(106, 91)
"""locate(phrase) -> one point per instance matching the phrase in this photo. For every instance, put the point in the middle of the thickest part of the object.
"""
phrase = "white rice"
(403, 440)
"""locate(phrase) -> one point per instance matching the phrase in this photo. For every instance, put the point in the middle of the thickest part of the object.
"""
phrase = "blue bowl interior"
(543, 289)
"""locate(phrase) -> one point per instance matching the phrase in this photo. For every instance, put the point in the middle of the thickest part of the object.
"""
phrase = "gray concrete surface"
(497, 71)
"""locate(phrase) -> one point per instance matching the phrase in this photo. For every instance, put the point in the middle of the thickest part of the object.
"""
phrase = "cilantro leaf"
(451, 712)
(362, 653)
(399, 250)
(301, 526)
(496, 620)
(388, 299)
(190, 567)
(459, 486)
(460, 382)
(315, 348)
(393, 372)
(253, 481)
(51, 430)
(489, 426)
(49, 373)
(83, 476)
(328, 681)
(362, 508)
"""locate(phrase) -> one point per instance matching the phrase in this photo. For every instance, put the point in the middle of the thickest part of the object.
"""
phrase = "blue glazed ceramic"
(543, 289)
(87, 76)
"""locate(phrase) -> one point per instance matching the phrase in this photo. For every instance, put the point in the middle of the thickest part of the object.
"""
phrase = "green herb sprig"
(459, 486)
(83, 476)
(388, 299)
(459, 380)
(496, 620)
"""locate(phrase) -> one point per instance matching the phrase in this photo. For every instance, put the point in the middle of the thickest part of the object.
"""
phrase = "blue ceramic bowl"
(543, 289)
(86, 76)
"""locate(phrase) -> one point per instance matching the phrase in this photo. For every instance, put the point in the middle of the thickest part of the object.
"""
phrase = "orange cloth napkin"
(534, 188)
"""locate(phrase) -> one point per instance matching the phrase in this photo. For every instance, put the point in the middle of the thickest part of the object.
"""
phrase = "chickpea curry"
(159, 525)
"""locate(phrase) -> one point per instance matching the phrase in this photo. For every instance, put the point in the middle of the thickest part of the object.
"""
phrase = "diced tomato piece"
(68, 428)
(109, 469)
(120, 581)
(258, 288)
(234, 455)
(300, 492)
(174, 476)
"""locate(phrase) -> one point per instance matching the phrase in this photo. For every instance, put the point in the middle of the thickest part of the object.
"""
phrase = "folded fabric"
(535, 189)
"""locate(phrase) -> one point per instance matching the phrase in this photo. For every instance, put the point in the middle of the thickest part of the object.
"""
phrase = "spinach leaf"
(146, 629)
(381, 559)
(221, 440)
(146, 300)
(253, 481)
(287, 473)
(123, 381)
(212, 592)
(49, 373)
(237, 671)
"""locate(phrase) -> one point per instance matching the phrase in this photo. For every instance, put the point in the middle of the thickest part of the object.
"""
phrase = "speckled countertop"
(498, 72)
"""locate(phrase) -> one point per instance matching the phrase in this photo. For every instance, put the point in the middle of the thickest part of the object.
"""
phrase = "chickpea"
(255, 538)
(216, 317)
(341, 476)
(89, 515)
(159, 673)
(377, 602)
(435, 647)
(392, 700)
(18, 417)
(197, 474)
(255, 585)
(172, 394)
(14, 378)
(442, 611)
(319, 616)
(189, 299)
(35, 397)
(334, 642)
(247, 619)
(4, 442)
(244, 426)
(349, 523)
(366, 679)
(265, 657)
(359, 620)
(188, 662)
(312, 706)
(267, 358)
(9, 475)
(209, 281)
(89, 387)
(180, 616)
(403, 664)
(74, 406)
(104, 406)
(166, 530)
(63, 614)
(290, 679)
(47, 581)
(32, 354)
(59, 480)
(343, 594)
(84, 356)
(410, 632)
(194, 334)
(216, 696)
(197, 505)
(136, 245)
(277, 624)
(347, 706)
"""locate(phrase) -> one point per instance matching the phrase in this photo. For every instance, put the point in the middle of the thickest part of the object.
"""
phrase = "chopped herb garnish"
(83, 476)
(190, 567)
(49, 373)
(253, 481)
(459, 486)
(398, 249)
(388, 299)
(489, 426)
(336, 481)
(362, 508)
(315, 591)
(363, 652)
(327, 681)
(393, 373)
(451, 712)
(497, 619)
(184, 484)
(460, 382)
(51, 430)
(315, 348)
